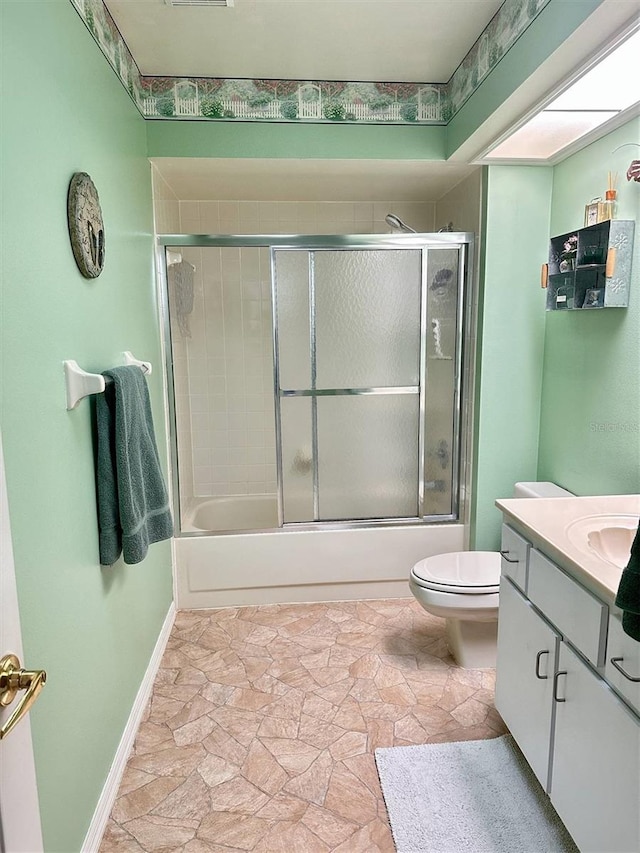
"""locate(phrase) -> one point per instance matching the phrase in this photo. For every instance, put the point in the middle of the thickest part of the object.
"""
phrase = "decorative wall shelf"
(590, 267)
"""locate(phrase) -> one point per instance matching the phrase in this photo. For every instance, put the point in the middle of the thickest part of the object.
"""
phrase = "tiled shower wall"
(224, 370)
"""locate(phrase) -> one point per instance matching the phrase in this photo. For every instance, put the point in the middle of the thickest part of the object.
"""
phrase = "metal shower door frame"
(418, 242)
(463, 241)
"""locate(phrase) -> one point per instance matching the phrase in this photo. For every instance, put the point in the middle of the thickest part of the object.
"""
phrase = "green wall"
(92, 629)
(294, 141)
(510, 341)
(590, 418)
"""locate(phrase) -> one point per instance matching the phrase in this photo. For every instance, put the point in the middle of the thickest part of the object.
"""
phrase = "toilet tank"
(540, 490)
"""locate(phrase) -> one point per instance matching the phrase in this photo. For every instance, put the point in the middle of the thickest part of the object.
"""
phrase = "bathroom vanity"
(568, 677)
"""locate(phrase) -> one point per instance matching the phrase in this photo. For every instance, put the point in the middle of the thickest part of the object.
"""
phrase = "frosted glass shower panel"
(440, 388)
(368, 456)
(291, 273)
(367, 317)
(297, 458)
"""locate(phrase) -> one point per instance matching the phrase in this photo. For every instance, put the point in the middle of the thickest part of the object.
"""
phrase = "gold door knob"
(13, 679)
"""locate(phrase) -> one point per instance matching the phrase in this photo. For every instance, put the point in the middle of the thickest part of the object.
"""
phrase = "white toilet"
(462, 588)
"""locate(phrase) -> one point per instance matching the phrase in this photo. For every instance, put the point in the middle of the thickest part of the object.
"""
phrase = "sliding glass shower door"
(350, 330)
(363, 335)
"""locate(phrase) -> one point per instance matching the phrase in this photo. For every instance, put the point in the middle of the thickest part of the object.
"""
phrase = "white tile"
(190, 217)
(211, 263)
(237, 438)
(250, 287)
(202, 457)
(230, 264)
(254, 403)
(237, 456)
(256, 473)
(220, 456)
(217, 385)
(200, 421)
(253, 366)
(236, 403)
(220, 474)
(255, 455)
(202, 475)
(201, 438)
(209, 217)
(229, 209)
(237, 420)
(220, 438)
(254, 384)
(256, 438)
(218, 403)
(237, 473)
(198, 385)
(253, 348)
(268, 210)
(247, 210)
(216, 366)
(236, 489)
(270, 226)
(199, 403)
(219, 420)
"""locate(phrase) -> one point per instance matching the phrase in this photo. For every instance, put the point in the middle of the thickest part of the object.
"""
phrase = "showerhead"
(397, 223)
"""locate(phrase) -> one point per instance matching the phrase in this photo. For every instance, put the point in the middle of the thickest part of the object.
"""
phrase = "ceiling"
(312, 180)
(419, 41)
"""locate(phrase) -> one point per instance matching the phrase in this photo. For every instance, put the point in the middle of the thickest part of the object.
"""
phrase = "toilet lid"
(474, 572)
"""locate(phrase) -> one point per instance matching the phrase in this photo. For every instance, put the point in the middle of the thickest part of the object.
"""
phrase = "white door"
(527, 648)
(596, 753)
(20, 830)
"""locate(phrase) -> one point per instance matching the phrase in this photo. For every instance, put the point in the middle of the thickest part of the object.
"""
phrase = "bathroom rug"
(476, 796)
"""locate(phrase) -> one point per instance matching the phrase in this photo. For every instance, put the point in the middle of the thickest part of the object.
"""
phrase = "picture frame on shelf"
(591, 213)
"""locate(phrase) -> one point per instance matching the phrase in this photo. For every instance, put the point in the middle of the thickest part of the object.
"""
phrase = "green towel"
(628, 597)
(133, 505)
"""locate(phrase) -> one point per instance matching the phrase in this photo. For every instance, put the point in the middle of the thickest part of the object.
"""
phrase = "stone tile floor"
(261, 729)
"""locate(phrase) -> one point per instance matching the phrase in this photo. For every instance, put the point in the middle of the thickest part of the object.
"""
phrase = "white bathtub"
(241, 512)
(278, 566)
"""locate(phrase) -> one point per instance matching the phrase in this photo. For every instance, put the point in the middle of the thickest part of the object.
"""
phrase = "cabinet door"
(527, 649)
(595, 783)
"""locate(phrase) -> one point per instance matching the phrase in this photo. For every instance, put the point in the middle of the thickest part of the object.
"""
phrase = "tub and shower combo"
(317, 411)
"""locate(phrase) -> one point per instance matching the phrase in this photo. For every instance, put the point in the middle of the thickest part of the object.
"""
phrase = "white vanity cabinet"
(581, 740)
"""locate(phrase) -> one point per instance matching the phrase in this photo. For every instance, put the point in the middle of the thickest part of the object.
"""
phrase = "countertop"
(544, 521)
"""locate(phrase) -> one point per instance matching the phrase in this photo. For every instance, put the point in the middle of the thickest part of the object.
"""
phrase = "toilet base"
(474, 645)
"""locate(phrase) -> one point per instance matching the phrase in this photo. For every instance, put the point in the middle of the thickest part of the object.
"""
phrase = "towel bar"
(82, 384)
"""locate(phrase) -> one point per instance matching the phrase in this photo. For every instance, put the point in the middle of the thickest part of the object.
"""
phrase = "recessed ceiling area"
(221, 179)
(606, 90)
(419, 41)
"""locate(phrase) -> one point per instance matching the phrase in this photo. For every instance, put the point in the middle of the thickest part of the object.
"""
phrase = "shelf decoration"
(591, 267)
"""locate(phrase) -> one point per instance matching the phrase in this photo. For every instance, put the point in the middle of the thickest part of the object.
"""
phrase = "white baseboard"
(109, 792)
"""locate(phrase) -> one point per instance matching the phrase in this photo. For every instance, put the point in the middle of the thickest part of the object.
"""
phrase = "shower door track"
(454, 240)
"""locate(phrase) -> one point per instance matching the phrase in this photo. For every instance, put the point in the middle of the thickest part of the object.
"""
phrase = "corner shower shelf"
(590, 267)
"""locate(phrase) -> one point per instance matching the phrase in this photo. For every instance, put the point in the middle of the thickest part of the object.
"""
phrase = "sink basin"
(607, 536)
